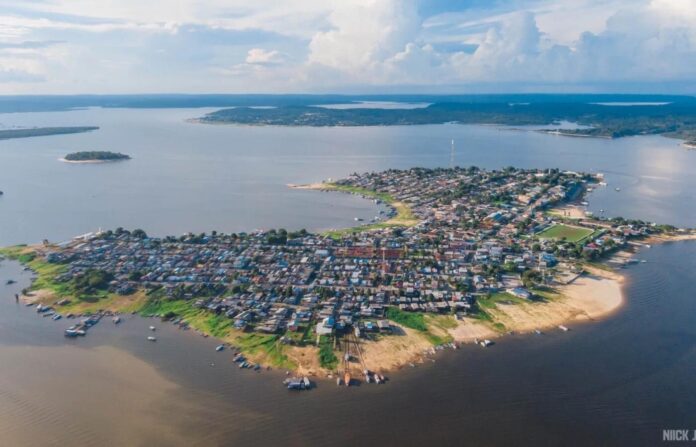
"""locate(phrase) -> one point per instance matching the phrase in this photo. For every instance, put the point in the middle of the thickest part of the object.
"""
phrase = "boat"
(538, 332)
(70, 333)
(563, 328)
(219, 348)
(617, 189)
(56, 317)
(359, 219)
(152, 328)
(116, 320)
(151, 338)
(339, 382)
(307, 384)
(486, 343)
(10, 282)
(346, 379)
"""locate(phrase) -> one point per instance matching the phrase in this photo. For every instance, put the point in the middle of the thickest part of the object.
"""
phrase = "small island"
(94, 157)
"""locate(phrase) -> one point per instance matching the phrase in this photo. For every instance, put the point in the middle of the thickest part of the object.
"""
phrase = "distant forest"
(677, 119)
(96, 156)
(43, 131)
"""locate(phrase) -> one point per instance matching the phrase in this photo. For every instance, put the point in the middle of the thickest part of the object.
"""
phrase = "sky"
(347, 46)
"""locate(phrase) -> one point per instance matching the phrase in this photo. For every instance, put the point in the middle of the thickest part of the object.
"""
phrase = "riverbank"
(402, 214)
(86, 161)
(591, 296)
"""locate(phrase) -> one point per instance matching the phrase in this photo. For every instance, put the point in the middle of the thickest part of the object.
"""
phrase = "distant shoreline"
(90, 161)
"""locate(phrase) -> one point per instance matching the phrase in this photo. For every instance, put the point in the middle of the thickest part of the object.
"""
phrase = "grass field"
(566, 232)
(404, 215)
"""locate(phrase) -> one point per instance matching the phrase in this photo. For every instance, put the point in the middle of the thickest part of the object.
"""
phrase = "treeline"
(675, 119)
(96, 156)
(8, 134)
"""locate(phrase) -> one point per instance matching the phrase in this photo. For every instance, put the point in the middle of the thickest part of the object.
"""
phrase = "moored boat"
(151, 338)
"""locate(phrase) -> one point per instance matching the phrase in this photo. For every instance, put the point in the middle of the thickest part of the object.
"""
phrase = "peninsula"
(94, 157)
(8, 134)
(465, 255)
(673, 119)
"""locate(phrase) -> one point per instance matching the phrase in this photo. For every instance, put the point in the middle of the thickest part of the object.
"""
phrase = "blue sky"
(351, 46)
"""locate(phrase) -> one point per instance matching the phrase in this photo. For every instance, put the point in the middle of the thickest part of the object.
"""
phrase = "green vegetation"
(566, 232)
(675, 119)
(404, 215)
(411, 320)
(92, 281)
(433, 327)
(43, 131)
(267, 348)
(327, 358)
(493, 299)
(96, 156)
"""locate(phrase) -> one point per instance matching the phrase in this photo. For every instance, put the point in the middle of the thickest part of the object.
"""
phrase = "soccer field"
(567, 232)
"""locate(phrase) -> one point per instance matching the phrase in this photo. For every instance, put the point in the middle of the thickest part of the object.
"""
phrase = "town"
(475, 233)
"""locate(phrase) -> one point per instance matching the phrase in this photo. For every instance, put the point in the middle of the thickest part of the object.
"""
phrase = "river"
(193, 177)
(620, 381)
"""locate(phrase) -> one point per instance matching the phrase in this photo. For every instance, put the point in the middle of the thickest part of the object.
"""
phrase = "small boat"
(116, 320)
(617, 189)
(307, 384)
(339, 382)
(219, 348)
(56, 317)
(257, 367)
(10, 282)
(538, 332)
(151, 338)
(563, 328)
(359, 219)
(70, 333)
(152, 328)
(346, 379)
(486, 343)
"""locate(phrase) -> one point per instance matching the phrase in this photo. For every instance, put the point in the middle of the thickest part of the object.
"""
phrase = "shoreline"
(593, 296)
(63, 160)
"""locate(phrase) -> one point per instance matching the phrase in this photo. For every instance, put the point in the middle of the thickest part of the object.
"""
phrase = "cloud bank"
(100, 46)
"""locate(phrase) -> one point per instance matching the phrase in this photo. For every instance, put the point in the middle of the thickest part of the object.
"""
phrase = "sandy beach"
(592, 296)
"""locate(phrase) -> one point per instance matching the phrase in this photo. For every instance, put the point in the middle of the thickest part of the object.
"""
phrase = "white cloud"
(259, 56)
(305, 45)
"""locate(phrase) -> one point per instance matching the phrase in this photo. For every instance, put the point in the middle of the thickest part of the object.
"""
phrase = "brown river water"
(615, 382)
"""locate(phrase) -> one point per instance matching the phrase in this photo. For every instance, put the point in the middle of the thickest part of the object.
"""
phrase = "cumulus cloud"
(235, 45)
(259, 56)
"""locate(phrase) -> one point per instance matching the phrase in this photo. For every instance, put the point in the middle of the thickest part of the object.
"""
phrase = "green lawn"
(566, 232)
(404, 215)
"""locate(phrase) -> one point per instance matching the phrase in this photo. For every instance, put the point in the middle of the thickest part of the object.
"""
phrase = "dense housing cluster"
(478, 232)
